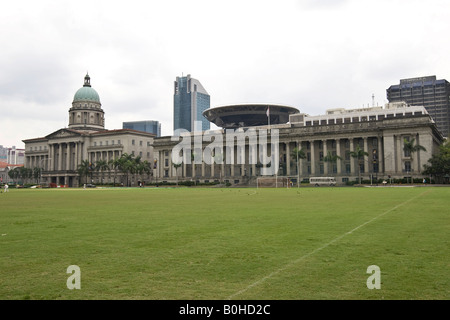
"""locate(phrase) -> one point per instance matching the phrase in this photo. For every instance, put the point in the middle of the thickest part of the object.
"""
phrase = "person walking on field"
(6, 187)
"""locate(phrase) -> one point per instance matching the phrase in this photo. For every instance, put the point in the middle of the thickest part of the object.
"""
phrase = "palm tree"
(409, 147)
(37, 173)
(145, 167)
(359, 154)
(297, 154)
(84, 168)
(176, 166)
(101, 165)
(125, 164)
(331, 158)
(114, 165)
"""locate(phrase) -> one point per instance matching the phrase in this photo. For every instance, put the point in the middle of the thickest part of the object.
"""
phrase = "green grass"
(212, 243)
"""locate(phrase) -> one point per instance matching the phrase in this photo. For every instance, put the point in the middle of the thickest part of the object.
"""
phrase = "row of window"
(133, 142)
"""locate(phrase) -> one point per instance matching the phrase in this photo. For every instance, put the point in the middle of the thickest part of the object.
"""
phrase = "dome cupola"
(86, 93)
(86, 112)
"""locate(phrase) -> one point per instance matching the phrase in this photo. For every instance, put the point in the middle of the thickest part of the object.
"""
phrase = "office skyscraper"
(190, 99)
(433, 94)
(150, 126)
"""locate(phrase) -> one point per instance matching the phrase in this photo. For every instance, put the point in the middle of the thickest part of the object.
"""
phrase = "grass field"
(213, 243)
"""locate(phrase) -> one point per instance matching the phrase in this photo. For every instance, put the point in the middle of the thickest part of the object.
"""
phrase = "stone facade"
(60, 153)
(381, 134)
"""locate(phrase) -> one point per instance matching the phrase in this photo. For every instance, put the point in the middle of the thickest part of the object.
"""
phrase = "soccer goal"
(273, 182)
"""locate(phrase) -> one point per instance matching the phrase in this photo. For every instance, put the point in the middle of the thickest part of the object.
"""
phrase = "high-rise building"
(190, 99)
(150, 126)
(433, 94)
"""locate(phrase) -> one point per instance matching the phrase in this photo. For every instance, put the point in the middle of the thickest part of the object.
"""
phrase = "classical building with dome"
(60, 153)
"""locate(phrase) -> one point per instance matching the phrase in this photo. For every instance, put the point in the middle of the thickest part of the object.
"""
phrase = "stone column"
(288, 159)
(380, 155)
(416, 161)
(68, 156)
(59, 157)
(75, 159)
(352, 160)
(366, 149)
(338, 153)
(51, 157)
(243, 161)
(325, 163)
(399, 153)
(313, 158)
(254, 154)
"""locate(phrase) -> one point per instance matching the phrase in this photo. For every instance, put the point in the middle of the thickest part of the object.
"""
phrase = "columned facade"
(327, 149)
(60, 154)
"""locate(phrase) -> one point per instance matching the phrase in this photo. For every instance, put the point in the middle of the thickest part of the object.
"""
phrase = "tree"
(359, 154)
(409, 147)
(176, 166)
(439, 164)
(101, 165)
(14, 174)
(37, 173)
(331, 158)
(298, 154)
(114, 165)
(84, 168)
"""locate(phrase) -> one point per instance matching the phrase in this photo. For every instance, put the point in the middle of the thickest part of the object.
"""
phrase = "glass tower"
(190, 99)
(433, 94)
(150, 126)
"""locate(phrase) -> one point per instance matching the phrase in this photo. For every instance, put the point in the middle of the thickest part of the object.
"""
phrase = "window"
(132, 142)
(347, 155)
(118, 141)
(140, 143)
(407, 166)
(374, 142)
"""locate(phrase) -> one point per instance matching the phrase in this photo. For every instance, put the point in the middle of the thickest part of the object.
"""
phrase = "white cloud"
(312, 55)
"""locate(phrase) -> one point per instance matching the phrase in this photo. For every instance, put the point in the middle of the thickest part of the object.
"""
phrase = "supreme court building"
(60, 153)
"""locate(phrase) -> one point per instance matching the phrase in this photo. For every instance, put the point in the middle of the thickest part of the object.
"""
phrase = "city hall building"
(60, 153)
(379, 131)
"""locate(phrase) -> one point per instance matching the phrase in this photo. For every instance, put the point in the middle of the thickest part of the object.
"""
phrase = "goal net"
(272, 182)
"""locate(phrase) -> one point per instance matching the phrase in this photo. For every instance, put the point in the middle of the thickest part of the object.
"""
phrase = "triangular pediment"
(64, 133)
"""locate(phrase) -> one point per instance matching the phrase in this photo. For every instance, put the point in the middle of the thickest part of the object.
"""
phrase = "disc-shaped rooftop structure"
(249, 115)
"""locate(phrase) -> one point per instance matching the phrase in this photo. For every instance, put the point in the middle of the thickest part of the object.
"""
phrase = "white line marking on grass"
(254, 284)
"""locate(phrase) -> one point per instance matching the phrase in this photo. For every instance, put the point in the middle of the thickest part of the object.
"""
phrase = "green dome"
(86, 93)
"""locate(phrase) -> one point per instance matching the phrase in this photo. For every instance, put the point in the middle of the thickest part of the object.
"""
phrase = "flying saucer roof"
(248, 115)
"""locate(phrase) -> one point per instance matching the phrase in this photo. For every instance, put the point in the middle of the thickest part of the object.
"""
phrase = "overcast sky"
(310, 54)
